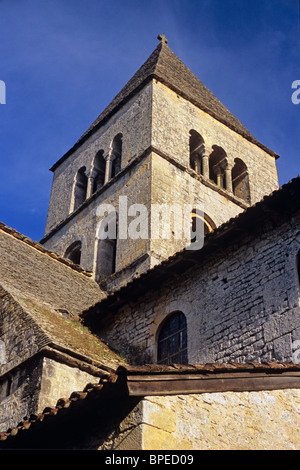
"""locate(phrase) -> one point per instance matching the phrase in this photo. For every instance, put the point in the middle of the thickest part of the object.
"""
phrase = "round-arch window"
(172, 340)
(73, 253)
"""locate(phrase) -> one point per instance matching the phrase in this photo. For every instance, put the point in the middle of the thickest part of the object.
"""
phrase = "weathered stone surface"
(155, 125)
(223, 421)
(58, 381)
(242, 304)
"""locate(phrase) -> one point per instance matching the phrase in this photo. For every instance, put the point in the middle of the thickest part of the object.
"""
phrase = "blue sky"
(63, 61)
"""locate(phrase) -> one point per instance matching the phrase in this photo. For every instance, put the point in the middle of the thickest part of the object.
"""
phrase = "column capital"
(229, 166)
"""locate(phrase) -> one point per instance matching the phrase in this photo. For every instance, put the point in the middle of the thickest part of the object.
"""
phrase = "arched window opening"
(98, 171)
(116, 155)
(80, 188)
(106, 258)
(106, 248)
(201, 224)
(217, 164)
(240, 180)
(196, 149)
(172, 340)
(73, 253)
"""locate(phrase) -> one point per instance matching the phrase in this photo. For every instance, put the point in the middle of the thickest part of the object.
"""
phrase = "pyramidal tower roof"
(164, 66)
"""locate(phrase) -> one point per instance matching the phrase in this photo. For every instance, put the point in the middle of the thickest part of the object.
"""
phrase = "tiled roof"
(46, 293)
(54, 334)
(108, 382)
(214, 367)
(27, 269)
(38, 246)
(164, 66)
(63, 404)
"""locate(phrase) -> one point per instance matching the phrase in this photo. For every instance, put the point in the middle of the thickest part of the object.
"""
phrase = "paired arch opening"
(102, 171)
(215, 166)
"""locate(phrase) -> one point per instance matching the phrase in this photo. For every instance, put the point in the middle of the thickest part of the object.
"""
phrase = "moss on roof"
(50, 295)
(70, 333)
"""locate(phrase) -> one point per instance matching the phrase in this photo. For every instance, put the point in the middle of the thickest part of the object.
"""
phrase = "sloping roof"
(278, 206)
(164, 66)
(43, 330)
(29, 269)
(141, 381)
(49, 293)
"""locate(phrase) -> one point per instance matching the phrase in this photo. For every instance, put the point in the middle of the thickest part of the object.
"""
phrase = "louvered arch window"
(172, 340)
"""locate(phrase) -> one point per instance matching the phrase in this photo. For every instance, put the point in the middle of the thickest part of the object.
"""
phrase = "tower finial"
(162, 38)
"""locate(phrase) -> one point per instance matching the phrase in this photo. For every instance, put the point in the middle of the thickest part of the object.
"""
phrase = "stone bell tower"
(165, 139)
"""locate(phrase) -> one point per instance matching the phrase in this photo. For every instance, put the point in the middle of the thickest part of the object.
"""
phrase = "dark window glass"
(172, 340)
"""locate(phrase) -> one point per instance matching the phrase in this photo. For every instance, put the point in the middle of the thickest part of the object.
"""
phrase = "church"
(160, 310)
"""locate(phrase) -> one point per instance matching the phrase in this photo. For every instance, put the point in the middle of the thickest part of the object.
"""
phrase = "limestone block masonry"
(133, 121)
(241, 305)
(155, 125)
(173, 117)
(264, 420)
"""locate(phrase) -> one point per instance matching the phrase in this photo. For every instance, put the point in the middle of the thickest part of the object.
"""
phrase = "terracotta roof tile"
(110, 380)
(38, 246)
(152, 369)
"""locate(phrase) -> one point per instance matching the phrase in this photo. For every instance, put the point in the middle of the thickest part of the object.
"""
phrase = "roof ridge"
(140, 77)
(38, 246)
(185, 83)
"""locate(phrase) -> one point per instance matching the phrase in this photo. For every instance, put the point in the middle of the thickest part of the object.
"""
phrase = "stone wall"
(263, 420)
(172, 185)
(133, 121)
(20, 337)
(38, 384)
(133, 184)
(19, 394)
(59, 380)
(152, 181)
(174, 117)
(241, 303)
(155, 125)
